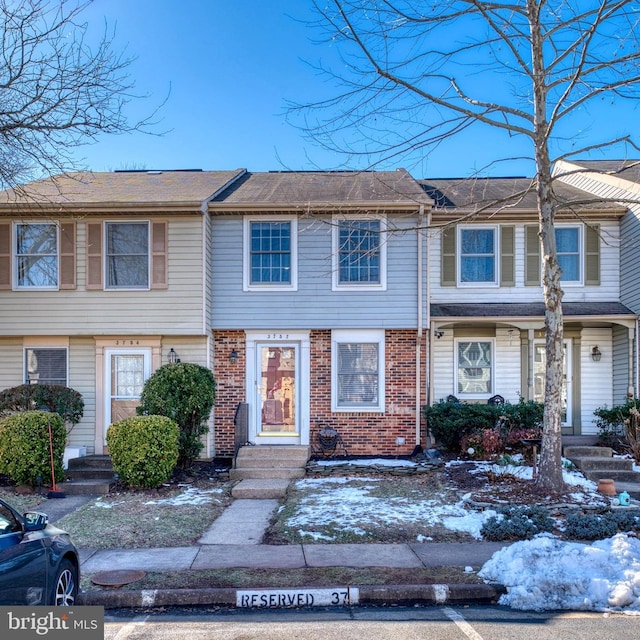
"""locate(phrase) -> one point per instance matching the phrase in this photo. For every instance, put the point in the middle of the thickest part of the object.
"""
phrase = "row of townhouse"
(343, 299)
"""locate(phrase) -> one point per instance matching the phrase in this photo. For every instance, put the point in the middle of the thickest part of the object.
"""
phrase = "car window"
(8, 522)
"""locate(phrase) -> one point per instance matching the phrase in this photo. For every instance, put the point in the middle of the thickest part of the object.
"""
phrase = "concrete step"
(91, 462)
(602, 464)
(572, 452)
(256, 489)
(616, 476)
(296, 456)
(89, 474)
(85, 487)
(265, 473)
(632, 488)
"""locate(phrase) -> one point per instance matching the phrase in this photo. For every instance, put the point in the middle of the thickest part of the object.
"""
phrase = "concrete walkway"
(242, 522)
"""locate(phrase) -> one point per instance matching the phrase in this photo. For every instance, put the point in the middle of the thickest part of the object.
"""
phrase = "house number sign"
(277, 336)
(127, 343)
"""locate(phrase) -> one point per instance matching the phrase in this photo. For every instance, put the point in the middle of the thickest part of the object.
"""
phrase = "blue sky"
(230, 68)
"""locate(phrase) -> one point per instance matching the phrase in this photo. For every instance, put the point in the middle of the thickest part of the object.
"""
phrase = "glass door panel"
(277, 389)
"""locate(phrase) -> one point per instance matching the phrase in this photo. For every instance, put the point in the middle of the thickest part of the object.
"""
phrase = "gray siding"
(621, 347)
(314, 305)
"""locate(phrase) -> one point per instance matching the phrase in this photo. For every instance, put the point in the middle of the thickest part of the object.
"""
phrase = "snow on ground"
(545, 573)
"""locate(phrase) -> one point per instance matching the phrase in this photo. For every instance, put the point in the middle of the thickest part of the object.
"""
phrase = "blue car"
(39, 565)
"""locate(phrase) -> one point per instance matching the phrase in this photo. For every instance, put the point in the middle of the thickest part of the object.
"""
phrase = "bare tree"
(57, 91)
(416, 72)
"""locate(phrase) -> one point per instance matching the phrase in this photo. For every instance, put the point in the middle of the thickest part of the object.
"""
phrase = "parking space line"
(462, 624)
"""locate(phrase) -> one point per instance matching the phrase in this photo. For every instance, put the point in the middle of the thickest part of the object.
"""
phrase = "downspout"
(420, 300)
(633, 362)
(429, 368)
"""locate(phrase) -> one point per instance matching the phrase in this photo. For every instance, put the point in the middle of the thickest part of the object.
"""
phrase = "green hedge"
(143, 450)
(184, 392)
(64, 401)
(454, 423)
(25, 454)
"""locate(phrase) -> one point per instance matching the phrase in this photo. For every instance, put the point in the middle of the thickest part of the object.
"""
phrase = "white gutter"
(420, 301)
(429, 364)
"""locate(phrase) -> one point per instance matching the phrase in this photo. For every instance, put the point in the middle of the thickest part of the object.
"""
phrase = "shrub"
(64, 401)
(455, 425)
(184, 392)
(482, 444)
(517, 523)
(449, 422)
(25, 454)
(632, 431)
(590, 527)
(611, 421)
(144, 450)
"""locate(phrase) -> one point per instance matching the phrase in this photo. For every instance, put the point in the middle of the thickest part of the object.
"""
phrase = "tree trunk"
(550, 471)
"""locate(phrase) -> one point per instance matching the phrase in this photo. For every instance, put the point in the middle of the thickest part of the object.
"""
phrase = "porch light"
(596, 354)
(233, 357)
(173, 356)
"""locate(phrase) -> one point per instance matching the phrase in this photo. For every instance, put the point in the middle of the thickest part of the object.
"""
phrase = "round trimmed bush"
(25, 454)
(184, 392)
(144, 450)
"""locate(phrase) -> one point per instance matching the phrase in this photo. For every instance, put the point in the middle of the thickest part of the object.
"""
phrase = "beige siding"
(82, 378)
(175, 310)
(11, 356)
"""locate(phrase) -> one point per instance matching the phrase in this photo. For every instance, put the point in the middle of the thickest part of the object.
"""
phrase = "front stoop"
(260, 489)
(598, 463)
(265, 470)
(89, 475)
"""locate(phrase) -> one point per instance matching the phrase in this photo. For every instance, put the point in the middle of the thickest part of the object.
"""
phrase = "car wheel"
(65, 586)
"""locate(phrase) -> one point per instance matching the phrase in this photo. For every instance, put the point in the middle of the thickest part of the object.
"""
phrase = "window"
(270, 253)
(36, 255)
(45, 366)
(127, 255)
(358, 371)
(474, 372)
(359, 253)
(578, 251)
(568, 243)
(477, 255)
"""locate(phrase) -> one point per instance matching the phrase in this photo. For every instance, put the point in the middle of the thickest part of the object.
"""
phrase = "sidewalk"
(233, 542)
(230, 556)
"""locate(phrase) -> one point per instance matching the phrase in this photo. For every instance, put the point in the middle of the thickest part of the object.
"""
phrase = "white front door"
(126, 371)
(539, 376)
(277, 388)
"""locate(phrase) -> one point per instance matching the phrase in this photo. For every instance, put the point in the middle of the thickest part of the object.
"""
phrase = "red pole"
(53, 473)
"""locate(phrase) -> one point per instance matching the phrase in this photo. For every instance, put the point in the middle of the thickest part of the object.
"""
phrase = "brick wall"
(368, 433)
(362, 433)
(229, 388)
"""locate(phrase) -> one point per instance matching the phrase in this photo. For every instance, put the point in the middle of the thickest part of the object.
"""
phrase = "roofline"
(328, 207)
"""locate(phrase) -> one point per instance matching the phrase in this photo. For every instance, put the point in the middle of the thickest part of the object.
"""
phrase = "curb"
(429, 594)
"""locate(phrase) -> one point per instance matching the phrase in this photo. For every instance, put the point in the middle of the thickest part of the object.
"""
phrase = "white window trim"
(105, 266)
(246, 254)
(496, 255)
(582, 257)
(358, 336)
(474, 396)
(335, 256)
(14, 255)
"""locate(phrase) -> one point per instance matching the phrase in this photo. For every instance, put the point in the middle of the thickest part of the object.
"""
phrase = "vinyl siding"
(608, 289)
(506, 368)
(596, 377)
(82, 378)
(314, 305)
(175, 310)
